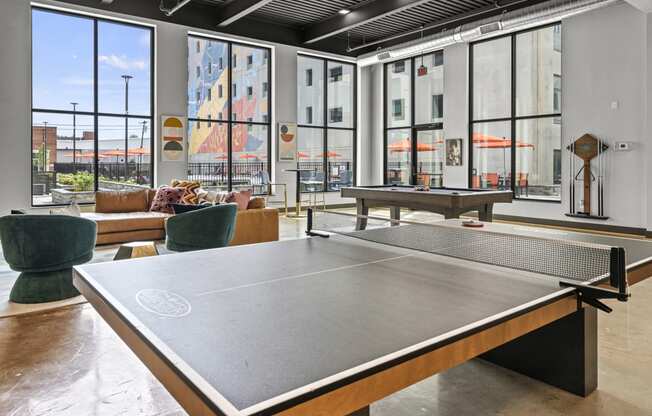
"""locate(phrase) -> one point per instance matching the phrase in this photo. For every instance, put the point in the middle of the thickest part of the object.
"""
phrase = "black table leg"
(563, 353)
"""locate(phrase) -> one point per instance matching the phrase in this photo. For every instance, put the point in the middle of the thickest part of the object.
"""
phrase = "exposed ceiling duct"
(171, 11)
(537, 15)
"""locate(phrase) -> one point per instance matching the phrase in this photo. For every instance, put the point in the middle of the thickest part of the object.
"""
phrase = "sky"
(62, 71)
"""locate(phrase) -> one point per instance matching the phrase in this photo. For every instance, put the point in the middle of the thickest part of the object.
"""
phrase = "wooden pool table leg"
(486, 212)
(361, 209)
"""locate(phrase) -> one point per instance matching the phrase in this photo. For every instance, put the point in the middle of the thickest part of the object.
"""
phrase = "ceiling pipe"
(525, 18)
(171, 11)
(441, 24)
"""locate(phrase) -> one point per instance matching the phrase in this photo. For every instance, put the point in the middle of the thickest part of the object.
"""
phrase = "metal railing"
(216, 174)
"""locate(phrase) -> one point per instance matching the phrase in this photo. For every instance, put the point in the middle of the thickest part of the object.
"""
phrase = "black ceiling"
(316, 24)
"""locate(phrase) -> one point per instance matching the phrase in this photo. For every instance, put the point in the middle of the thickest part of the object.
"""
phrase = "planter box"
(66, 197)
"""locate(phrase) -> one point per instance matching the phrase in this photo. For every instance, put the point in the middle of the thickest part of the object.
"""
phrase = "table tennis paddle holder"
(587, 148)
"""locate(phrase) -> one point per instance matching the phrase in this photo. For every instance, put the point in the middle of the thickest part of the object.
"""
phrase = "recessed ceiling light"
(344, 11)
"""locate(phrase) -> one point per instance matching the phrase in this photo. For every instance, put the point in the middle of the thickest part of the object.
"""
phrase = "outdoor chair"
(268, 189)
(312, 183)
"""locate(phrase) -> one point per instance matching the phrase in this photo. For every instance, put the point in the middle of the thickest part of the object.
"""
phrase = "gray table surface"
(263, 320)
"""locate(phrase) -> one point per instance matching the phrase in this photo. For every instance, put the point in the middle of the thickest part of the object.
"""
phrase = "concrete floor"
(69, 362)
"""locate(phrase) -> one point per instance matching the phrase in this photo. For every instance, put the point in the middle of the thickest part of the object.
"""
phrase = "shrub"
(83, 181)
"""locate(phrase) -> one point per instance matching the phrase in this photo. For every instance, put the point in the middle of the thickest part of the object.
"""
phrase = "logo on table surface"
(163, 303)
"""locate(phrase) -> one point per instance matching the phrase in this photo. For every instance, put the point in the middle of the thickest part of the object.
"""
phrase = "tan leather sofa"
(124, 216)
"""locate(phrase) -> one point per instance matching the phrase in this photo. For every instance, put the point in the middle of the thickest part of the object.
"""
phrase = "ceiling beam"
(368, 13)
(236, 10)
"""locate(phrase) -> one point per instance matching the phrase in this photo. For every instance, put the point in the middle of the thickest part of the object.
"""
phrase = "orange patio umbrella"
(330, 154)
(405, 145)
(110, 153)
(138, 151)
(116, 152)
(80, 154)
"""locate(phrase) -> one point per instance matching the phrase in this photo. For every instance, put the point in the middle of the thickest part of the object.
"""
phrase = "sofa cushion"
(127, 221)
(151, 194)
(165, 197)
(121, 201)
(189, 196)
(255, 226)
(256, 203)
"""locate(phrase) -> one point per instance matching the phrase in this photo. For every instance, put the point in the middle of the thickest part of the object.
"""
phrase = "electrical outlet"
(623, 146)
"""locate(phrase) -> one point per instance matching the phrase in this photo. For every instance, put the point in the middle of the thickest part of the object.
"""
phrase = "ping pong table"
(329, 324)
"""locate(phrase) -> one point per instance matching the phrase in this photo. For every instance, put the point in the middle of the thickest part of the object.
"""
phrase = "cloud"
(122, 62)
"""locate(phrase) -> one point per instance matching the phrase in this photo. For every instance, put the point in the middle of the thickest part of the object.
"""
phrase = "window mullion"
(96, 131)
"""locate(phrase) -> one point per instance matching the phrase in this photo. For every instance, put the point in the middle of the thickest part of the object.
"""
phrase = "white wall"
(15, 102)
(456, 109)
(607, 57)
(603, 61)
(171, 92)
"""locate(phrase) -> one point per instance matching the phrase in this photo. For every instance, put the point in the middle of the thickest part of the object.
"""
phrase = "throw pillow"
(165, 197)
(202, 195)
(241, 198)
(181, 208)
(256, 203)
(189, 196)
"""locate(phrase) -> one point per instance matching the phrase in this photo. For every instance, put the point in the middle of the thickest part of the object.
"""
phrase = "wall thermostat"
(623, 146)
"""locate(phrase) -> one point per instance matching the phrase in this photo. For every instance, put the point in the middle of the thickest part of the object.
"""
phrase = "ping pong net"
(579, 264)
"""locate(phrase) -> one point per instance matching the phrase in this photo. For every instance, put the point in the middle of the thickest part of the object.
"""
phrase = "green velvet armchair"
(44, 248)
(201, 229)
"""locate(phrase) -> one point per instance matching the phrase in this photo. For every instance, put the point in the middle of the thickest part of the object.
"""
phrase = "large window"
(229, 114)
(327, 121)
(515, 129)
(92, 103)
(414, 114)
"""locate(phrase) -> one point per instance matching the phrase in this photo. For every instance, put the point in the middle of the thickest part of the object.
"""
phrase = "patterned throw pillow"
(241, 198)
(189, 196)
(256, 203)
(165, 197)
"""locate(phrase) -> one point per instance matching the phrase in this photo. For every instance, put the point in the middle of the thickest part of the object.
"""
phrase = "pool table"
(450, 202)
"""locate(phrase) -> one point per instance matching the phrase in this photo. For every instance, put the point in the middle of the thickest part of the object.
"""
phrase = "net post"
(309, 230)
(309, 217)
(618, 272)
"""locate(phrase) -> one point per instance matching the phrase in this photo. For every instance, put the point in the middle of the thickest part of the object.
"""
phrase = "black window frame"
(335, 115)
(232, 116)
(309, 114)
(412, 126)
(325, 127)
(335, 73)
(309, 77)
(512, 118)
(96, 114)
